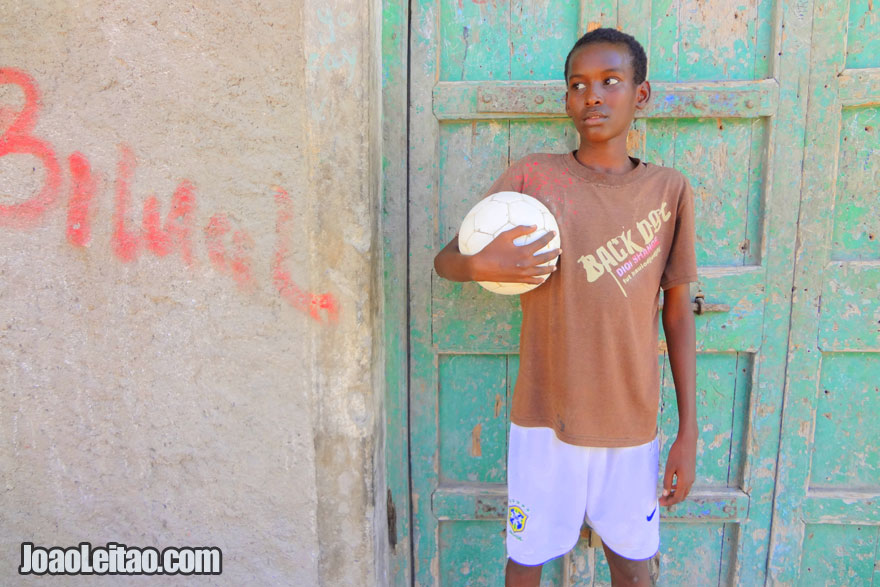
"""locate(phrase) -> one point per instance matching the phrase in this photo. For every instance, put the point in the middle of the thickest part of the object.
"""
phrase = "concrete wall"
(187, 284)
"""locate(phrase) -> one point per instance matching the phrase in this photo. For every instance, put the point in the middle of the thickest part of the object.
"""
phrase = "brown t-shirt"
(588, 348)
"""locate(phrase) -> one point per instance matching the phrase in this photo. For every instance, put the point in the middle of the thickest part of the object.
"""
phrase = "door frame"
(394, 234)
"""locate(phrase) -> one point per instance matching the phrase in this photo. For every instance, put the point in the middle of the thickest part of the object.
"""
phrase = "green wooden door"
(729, 108)
(826, 524)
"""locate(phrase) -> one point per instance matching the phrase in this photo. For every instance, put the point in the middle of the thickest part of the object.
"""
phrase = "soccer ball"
(498, 213)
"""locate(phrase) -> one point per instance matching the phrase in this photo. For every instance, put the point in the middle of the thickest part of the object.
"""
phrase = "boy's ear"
(643, 95)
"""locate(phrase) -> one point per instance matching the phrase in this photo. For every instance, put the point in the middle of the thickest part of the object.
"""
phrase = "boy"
(583, 435)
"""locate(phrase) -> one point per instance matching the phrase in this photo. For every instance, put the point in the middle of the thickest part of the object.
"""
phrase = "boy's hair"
(616, 37)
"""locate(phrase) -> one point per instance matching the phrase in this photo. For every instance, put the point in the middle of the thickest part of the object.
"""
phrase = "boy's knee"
(517, 575)
(626, 571)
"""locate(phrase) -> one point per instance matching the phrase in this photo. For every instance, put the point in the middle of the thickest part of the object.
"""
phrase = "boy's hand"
(681, 466)
(502, 260)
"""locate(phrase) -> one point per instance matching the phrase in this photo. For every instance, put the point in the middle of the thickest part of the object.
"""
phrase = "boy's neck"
(606, 158)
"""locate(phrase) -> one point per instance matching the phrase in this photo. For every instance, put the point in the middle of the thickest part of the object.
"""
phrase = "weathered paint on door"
(729, 110)
(826, 523)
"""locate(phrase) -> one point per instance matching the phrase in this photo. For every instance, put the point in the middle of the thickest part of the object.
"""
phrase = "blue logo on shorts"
(651, 517)
(517, 518)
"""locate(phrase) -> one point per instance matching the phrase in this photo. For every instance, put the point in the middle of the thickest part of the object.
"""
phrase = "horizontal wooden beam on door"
(859, 87)
(489, 502)
(842, 506)
(517, 99)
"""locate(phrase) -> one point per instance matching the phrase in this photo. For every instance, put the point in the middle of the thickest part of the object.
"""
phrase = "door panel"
(486, 89)
(828, 488)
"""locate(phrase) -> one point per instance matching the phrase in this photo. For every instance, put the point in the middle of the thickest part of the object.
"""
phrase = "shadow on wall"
(228, 247)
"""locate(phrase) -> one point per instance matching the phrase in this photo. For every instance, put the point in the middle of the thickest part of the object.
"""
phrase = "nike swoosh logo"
(651, 517)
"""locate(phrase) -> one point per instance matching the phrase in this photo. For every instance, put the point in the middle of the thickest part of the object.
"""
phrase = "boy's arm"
(678, 323)
(500, 260)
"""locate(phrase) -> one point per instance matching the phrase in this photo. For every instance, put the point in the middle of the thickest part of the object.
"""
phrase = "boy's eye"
(579, 86)
(612, 81)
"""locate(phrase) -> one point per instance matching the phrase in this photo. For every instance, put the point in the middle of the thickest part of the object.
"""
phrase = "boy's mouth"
(593, 116)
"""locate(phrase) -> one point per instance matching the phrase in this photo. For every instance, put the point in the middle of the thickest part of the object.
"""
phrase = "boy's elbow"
(677, 310)
(438, 266)
(445, 261)
(441, 265)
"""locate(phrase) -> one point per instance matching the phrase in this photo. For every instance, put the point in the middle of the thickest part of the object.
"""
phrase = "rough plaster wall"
(209, 389)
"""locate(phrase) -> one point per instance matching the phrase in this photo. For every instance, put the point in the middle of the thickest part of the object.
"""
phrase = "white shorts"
(553, 487)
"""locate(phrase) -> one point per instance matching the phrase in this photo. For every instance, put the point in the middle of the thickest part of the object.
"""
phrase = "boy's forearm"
(451, 264)
(678, 323)
(501, 260)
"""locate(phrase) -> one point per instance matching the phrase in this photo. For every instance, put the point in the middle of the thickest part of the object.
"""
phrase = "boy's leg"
(546, 490)
(626, 572)
(517, 575)
(622, 503)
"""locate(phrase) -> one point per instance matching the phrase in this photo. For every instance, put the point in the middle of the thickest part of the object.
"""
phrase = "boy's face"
(602, 97)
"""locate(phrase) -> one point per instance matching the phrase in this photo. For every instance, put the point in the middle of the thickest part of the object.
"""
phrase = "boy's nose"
(592, 96)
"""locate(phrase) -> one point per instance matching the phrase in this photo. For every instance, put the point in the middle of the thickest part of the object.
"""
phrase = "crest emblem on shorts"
(517, 518)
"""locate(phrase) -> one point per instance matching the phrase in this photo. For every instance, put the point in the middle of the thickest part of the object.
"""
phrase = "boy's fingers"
(518, 231)
(668, 476)
(541, 258)
(541, 242)
(539, 270)
(669, 495)
(671, 499)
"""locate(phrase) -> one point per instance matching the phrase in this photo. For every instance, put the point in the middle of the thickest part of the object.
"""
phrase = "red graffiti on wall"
(17, 139)
(303, 300)
(177, 230)
(176, 233)
(239, 262)
(79, 224)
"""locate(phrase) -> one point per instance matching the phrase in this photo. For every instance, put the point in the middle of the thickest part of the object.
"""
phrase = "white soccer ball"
(498, 213)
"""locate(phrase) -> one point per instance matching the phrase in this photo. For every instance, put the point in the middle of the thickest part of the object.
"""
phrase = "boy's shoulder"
(664, 171)
(668, 178)
(538, 159)
(669, 175)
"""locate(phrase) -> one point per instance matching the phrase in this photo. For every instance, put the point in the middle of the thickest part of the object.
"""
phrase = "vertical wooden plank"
(472, 154)
(394, 231)
(729, 545)
(541, 136)
(863, 44)
(717, 377)
(739, 418)
(856, 229)
(718, 39)
(690, 554)
(472, 413)
(764, 27)
(541, 34)
(751, 240)
(474, 40)
(846, 448)
(423, 202)
(792, 26)
(665, 42)
(660, 141)
(804, 360)
(595, 14)
(839, 555)
(634, 18)
(714, 153)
